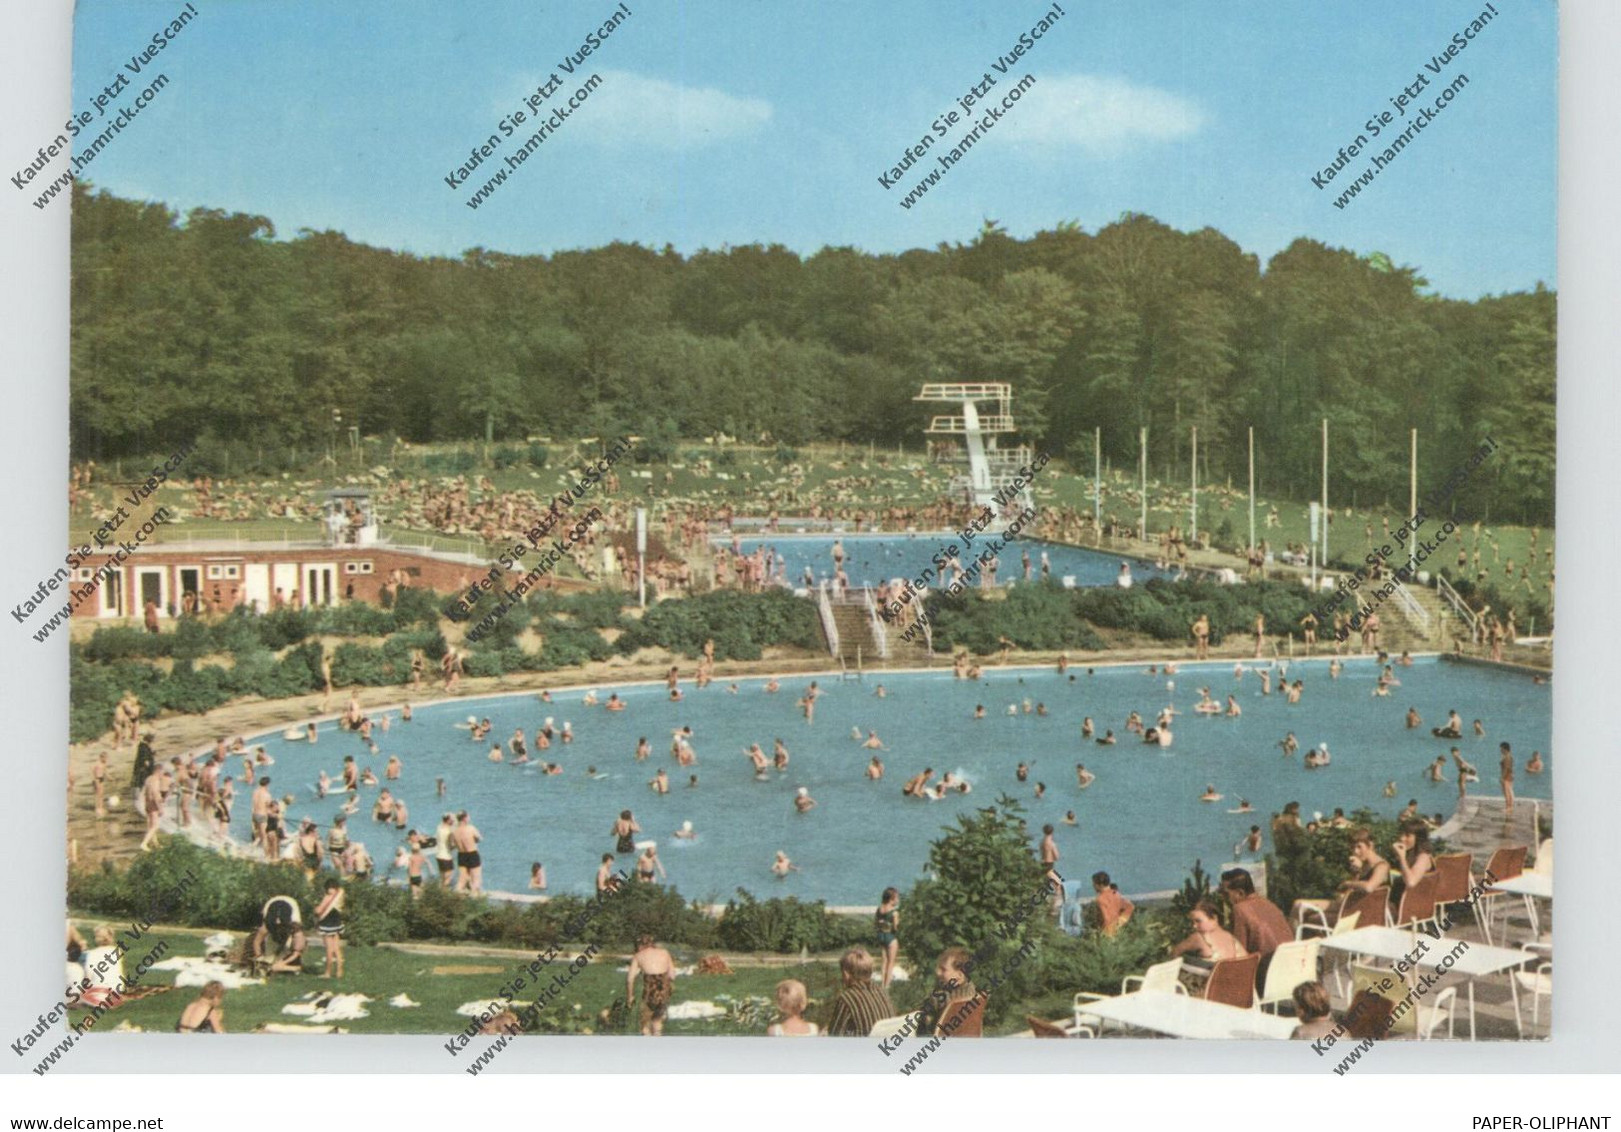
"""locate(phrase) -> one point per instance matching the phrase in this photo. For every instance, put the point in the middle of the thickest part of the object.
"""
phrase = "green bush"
(299, 671)
(456, 463)
(194, 690)
(228, 893)
(1311, 866)
(983, 875)
(111, 643)
(537, 455)
(1096, 962)
(361, 664)
(283, 627)
(191, 639)
(740, 624)
(787, 925)
(1039, 615)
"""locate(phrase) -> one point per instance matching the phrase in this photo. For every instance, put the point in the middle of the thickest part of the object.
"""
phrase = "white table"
(1528, 885)
(1182, 1016)
(1475, 961)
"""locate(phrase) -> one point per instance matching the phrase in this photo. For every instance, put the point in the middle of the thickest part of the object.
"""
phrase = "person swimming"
(914, 785)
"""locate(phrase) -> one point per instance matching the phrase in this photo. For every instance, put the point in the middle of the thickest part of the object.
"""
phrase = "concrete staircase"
(1403, 631)
(855, 632)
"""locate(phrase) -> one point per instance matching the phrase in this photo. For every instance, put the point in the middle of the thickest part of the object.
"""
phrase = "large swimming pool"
(1142, 820)
(871, 559)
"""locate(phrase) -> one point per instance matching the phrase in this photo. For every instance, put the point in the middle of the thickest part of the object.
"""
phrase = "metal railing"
(1415, 612)
(1459, 606)
(878, 635)
(958, 426)
(830, 627)
(965, 390)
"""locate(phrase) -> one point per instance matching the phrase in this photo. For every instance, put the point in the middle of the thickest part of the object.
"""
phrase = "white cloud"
(631, 109)
(1099, 113)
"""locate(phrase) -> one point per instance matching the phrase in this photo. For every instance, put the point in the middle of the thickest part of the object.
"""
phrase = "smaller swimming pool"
(872, 559)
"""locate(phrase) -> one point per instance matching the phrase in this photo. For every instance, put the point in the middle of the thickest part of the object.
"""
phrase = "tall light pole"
(641, 557)
(1097, 478)
(1412, 478)
(1142, 446)
(1252, 487)
(1193, 524)
(1324, 555)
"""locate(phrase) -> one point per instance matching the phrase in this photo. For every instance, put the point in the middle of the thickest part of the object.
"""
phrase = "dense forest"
(211, 329)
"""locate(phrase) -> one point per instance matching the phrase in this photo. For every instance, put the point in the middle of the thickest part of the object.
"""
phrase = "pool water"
(1141, 821)
(871, 559)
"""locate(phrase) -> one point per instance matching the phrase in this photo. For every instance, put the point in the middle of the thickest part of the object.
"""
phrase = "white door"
(256, 585)
(284, 577)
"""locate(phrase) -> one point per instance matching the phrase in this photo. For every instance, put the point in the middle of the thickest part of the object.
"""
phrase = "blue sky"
(748, 122)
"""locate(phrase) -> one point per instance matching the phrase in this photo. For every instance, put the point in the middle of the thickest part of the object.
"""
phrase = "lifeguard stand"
(988, 466)
(347, 518)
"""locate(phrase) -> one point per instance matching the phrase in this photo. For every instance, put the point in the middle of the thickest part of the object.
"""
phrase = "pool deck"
(1482, 825)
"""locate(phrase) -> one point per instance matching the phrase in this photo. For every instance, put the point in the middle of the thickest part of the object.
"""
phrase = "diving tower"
(989, 466)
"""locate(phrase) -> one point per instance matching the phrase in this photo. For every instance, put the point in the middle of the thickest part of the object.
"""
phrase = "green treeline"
(213, 331)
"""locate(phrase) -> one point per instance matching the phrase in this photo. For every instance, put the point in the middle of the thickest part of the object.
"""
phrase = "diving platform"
(990, 466)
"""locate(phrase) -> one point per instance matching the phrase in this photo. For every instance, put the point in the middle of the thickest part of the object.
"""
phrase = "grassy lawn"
(381, 973)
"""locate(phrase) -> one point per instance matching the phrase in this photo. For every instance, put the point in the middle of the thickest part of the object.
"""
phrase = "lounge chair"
(1232, 981)
(1292, 964)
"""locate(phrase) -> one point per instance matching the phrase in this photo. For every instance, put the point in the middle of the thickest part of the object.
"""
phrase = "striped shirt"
(857, 1010)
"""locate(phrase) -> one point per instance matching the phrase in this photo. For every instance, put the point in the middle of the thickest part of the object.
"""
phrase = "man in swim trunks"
(444, 850)
(153, 792)
(657, 969)
(260, 809)
(469, 864)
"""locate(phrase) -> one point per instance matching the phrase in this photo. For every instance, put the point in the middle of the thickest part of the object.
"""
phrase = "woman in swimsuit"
(1412, 850)
(205, 1014)
(1209, 942)
(309, 849)
(623, 829)
(273, 831)
(329, 923)
(888, 922)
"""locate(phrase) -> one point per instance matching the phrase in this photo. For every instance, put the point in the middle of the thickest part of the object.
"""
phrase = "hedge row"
(228, 893)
